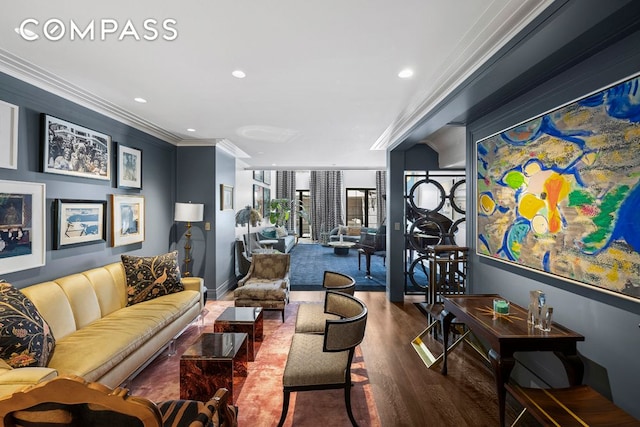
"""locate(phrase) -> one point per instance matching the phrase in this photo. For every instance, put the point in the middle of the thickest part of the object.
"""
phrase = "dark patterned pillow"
(151, 277)
(25, 337)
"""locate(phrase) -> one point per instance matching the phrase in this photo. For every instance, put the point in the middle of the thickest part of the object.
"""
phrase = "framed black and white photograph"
(129, 167)
(127, 219)
(226, 197)
(71, 149)
(22, 226)
(79, 222)
(258, 176)
(8, 135)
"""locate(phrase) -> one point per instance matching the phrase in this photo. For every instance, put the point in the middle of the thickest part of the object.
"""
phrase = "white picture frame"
(22, 226)
(9, 114)
(127, 219)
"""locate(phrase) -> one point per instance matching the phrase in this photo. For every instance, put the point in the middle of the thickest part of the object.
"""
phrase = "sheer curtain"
(325, 191)
(286, 189)
(381, 199)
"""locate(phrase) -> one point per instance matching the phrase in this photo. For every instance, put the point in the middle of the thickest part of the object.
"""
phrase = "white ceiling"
(321, 87)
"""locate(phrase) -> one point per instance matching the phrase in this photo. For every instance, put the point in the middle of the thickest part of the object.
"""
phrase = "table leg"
(368, 258)
(502, 367)
(573, 366)
(446, 324)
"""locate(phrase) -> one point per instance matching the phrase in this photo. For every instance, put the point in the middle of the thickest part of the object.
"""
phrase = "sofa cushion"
(151, 277)
(281, 232)
(353, 231)
(270, 233)
(25, 337)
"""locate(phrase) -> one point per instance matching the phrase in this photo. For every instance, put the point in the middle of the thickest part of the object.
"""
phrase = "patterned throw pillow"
(151, 277)
(25, 337)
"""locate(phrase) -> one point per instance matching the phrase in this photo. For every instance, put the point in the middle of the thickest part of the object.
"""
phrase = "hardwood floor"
(406, 392)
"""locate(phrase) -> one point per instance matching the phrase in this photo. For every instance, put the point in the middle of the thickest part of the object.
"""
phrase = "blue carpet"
(309, 262)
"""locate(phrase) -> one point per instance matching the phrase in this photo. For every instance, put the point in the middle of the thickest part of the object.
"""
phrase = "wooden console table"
(507, 334)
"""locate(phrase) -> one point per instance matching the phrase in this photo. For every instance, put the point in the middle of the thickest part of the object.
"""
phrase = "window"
(362, 207)
(305, 201)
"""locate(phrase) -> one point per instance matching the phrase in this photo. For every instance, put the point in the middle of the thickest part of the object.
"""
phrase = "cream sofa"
(97, 336)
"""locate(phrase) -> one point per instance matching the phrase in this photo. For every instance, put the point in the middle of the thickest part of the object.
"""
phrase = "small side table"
(242, 319)
(211, 362)
(341, 248)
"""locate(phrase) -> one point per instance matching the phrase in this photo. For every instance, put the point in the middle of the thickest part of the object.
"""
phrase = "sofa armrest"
(195, 284)
(27, 376)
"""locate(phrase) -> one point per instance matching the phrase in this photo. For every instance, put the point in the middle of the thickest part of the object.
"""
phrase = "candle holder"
(501, 307)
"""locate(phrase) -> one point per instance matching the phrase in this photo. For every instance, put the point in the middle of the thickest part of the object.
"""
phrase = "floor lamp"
(188, 212)
(249, 216)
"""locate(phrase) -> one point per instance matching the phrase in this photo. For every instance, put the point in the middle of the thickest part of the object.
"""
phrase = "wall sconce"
(188, 212)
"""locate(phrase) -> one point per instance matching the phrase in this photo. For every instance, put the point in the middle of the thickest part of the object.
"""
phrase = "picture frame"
(267, 202)
(266, 177)
(127, 219)
(22, 226)
(557, 194)
(79, 222)
(226, 197)
(9, 115)
(129, 167)
(258, 198)
(258, 176)
(71, 149)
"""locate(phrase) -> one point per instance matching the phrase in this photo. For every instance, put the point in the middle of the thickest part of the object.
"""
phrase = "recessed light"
(239, 74)
(191, 130)
(406, 73)
(140, 100)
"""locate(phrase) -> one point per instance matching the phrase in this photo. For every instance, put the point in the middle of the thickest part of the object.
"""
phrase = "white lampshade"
(189, 212)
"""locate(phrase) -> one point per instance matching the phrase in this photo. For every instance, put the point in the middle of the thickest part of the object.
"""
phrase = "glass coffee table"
(213, 361)
(242, 319)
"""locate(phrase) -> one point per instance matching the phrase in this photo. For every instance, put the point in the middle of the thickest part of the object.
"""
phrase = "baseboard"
(222, 289)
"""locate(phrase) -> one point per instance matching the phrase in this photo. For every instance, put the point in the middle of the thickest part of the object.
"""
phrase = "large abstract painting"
(560, 193)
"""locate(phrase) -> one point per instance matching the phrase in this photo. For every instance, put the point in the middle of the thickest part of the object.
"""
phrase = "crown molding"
(477, 46)
(17, 67)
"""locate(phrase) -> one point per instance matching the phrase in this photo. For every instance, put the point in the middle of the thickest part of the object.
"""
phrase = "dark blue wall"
(159, 178)
(609, 323)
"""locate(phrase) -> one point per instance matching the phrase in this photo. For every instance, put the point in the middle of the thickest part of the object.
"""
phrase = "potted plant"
(280, 211)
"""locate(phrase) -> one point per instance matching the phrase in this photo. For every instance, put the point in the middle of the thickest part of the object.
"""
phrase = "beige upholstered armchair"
(311, 317)
(67, 401)
(266, 284)
(321, 362)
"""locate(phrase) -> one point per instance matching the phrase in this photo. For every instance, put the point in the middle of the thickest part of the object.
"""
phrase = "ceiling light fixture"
(406, 73)
(239, 74)
(140, 100)
(191, 130)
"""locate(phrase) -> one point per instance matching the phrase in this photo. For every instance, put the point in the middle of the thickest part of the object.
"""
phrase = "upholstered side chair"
(266, 284)
(66, 401)
(311, 317)
(322, 362)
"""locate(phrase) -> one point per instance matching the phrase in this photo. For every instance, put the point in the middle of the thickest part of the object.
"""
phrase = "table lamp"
(188, 212)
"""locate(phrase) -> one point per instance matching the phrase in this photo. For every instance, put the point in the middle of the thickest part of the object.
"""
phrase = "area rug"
(259, 397)
(309, 262)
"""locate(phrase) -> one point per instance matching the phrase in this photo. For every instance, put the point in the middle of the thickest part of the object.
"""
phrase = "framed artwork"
(258, 176)
(226, 197)
(266, 177)
(22, 226)
(266, 203)
(71, 149)
(258, 198)
(78, 222)
(559, 193)
(129, 167)
(8, 135)
(127, 216)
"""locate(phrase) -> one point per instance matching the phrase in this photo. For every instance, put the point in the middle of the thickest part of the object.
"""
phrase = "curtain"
(325, 191)
(381, 196)
(286, 189)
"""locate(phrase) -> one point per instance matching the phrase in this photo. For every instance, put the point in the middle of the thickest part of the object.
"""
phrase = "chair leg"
(283, 315)
(347, 401)
(359, 257)
(285, 408)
